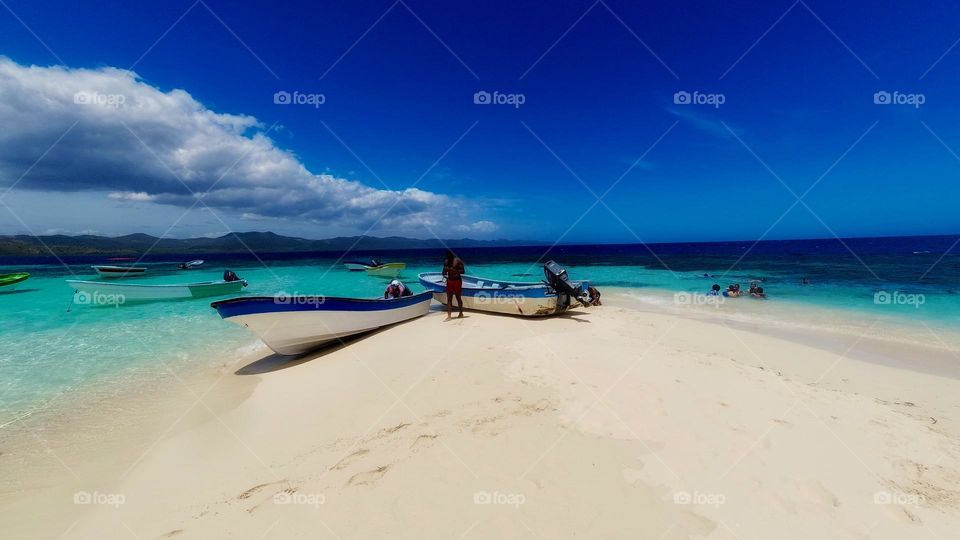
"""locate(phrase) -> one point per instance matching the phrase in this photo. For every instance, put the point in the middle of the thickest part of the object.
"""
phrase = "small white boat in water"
(529, 299)
(376, 268)
(360, 266)
(296, 324)
(388, 270)
(113, 272)
(98, 292)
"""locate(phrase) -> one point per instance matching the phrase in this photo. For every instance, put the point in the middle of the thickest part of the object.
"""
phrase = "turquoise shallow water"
(50, 347)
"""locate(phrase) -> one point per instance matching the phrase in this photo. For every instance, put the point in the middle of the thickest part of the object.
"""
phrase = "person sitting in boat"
(593, 296)
(230, 275)
(396, 289)
(453, 270)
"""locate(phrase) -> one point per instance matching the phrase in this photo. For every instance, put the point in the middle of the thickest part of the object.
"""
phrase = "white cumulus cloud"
(116, 134)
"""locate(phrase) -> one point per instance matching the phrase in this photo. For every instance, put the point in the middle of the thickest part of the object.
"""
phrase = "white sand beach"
(613, 422)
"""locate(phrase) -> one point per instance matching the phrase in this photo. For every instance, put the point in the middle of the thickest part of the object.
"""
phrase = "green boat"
(8, 280)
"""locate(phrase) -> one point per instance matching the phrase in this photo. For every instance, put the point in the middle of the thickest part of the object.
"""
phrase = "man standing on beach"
(453, 270)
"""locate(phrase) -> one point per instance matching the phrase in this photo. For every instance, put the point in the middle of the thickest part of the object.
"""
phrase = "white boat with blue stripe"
(526, 298)
(297, 324)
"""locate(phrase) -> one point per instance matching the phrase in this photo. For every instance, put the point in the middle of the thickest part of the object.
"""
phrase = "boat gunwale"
(508, 285)
(308, 297)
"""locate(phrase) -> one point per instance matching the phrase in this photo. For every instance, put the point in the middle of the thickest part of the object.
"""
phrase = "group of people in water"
(733, 290)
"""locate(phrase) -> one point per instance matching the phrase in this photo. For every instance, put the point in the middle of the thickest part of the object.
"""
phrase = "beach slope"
(606, 423)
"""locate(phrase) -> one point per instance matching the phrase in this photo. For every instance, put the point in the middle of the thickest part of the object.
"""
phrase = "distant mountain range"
(260, 242)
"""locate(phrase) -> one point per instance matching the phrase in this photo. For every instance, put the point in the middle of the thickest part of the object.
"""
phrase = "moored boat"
(98, 292)
(526, 298)
(387, 270)
(113, 272)
(360, 266)
(296, 324)
(8, 282)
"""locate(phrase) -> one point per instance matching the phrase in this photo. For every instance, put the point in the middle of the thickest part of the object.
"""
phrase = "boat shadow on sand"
(276, 362)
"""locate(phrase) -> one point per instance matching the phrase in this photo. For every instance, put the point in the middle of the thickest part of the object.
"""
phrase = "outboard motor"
(566, 291)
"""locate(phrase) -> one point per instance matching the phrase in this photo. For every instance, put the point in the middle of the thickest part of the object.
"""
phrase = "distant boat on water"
(8, 282)
(526, 298)
(113, 272)
(387, 270)
(127, 292)
(296, 324)
(376, 268)
(196, 263)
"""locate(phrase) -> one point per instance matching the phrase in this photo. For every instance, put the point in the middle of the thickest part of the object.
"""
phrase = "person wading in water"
(453, 270)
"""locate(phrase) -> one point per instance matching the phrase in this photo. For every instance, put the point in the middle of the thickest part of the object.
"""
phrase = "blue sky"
(597, 80)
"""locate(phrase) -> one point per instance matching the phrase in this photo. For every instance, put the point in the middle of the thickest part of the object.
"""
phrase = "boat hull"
(116, 272)
(8, 282)
(295, 325)
(526, 299)
(96, 292)
(389, 270)
(355, 267)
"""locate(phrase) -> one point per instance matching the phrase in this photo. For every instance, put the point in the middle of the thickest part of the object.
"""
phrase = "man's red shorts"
(454, 286)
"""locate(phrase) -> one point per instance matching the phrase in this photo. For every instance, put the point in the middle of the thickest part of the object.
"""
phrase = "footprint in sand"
(422, 440)
(343, 463)
(368, 477)
(252, 491)
(529, 409)
(394, 429)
